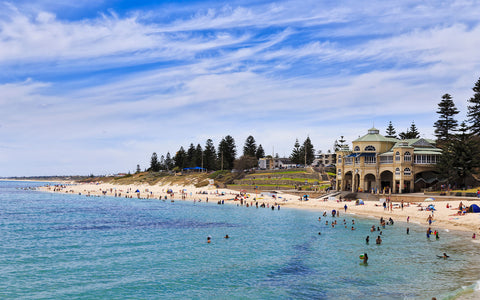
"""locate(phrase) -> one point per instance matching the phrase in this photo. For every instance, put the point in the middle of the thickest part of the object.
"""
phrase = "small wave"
(465, 292)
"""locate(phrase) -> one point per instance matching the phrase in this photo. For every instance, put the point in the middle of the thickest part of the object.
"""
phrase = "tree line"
(224, 156)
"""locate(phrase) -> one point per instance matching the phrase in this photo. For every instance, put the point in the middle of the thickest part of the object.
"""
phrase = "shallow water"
(57, 246)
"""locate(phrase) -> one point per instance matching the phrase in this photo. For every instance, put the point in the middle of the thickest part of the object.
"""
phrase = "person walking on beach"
(345, 208)
(430, 220)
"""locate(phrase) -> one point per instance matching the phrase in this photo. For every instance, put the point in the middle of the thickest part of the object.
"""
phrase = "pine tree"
(391, 133)
(138, 169)
(209, 156)
(473, 113)
(169, 163)
(154, 164)
(162, 163)
(307, 152)
(198, 158)
(190, 160)
(260, 152)
(340, 144)
(250, 147)
(180, 158)
(459, 157)
(411, 133)
(296, 153)
(226, 153)
(446, 123)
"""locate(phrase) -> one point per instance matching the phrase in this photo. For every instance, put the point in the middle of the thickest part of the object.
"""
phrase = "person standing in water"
(365, 258)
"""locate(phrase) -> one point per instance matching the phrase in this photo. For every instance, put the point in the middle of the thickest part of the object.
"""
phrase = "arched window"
(339, 172)
(397, 171)
(407, 156)
(369, 148)
(397, 156)
(356, 148)
(407, 172)
(339, 159)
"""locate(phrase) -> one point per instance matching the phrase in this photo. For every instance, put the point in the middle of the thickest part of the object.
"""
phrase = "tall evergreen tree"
(154, 163)
(391, 133)
(307, 152)
(169, 163)
(198, 159)
(226, 153)
(459, 157)
(260, 152)
(190, 160)
(250, 147)
(180, 158)
(209, 156)
(340, 144)
(296, 155)
(446, 124)
(411, 133)
(162, 163)
(473, 113)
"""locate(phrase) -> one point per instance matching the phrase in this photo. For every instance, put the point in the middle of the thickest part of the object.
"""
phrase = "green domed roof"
(374, 135)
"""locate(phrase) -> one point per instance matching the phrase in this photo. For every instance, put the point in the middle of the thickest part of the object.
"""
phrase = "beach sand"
(443, 217)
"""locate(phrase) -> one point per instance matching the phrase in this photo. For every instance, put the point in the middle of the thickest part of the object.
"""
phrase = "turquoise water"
(57, 246)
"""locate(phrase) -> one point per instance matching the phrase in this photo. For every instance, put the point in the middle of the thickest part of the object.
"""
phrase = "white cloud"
(278, 71)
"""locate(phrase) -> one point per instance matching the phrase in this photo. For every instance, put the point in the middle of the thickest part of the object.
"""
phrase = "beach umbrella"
(429, 199)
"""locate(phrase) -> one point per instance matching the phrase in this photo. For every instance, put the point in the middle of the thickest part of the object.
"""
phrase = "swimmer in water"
(226, 236)
(365, 258)
(444, 256)
(367, 239)
(209, 239)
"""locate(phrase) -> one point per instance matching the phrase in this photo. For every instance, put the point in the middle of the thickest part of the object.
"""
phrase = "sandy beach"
(443, 217)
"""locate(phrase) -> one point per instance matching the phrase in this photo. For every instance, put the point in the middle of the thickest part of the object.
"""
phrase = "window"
(386, 159)
(349, 160)
(407, 156)
(339, 172)
(425, 159)
(397, 171)
(407, 172)
(369, 148)
(339, 159)
(356, 148)
(397, 156)
(357, 160)
(370, 160)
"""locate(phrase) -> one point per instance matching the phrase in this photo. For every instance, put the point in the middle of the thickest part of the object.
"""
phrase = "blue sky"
(97, 86)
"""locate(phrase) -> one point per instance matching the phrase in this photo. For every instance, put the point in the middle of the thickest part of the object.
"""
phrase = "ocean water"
(58, 246)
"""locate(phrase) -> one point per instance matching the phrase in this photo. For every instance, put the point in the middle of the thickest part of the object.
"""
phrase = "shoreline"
(443, 217)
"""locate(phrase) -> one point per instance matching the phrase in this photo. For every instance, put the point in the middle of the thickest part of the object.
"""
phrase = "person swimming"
(226, 236)
(378, 240)
(365, 258)
(209, 239)
(444, 256)
(367, 239)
